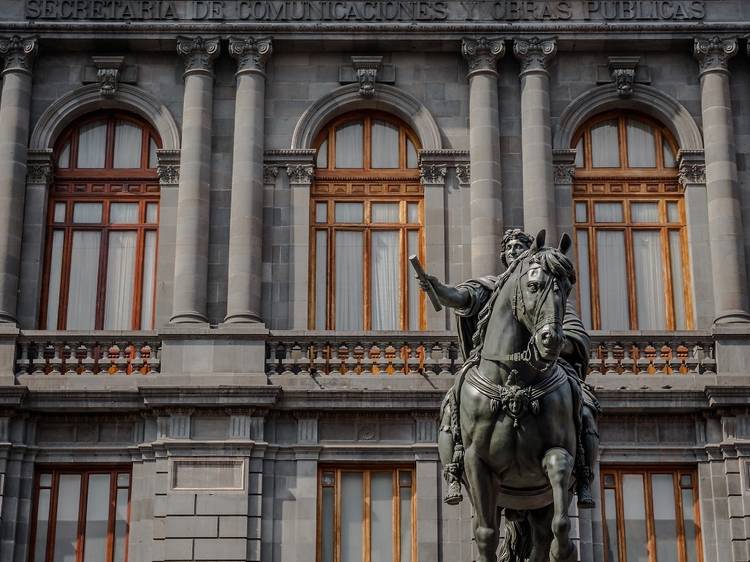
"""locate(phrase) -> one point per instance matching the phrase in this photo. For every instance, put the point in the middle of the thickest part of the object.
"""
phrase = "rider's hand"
(431, 280)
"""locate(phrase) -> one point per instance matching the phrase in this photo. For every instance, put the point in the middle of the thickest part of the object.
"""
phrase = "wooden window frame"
(105, 186)
(647, 471)
(627, 186)
(85, 472)
(365, 185)
(366, 471)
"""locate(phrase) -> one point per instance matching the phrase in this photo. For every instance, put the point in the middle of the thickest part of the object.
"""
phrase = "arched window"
(102, 223)
(366, 218)
(630, 226)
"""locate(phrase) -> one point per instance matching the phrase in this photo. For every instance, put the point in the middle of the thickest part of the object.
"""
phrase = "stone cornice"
(251, 54)
(713, 53)
(199, 53)
(19, 53)
(482, 53)
(534, 54)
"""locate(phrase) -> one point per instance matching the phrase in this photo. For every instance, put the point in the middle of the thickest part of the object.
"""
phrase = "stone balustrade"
(87, 353)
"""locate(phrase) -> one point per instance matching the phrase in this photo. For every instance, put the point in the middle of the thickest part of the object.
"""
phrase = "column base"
(732, 317)
(188, 318)
(242, 318)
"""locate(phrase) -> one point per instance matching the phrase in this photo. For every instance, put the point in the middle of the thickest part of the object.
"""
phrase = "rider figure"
(469, 300)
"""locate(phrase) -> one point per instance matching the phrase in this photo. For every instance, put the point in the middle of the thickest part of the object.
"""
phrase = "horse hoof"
(572, 556)
(586, 503)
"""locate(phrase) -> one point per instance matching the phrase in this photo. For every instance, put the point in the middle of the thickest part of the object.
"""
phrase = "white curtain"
(152, 213)
(119, 292)
(123, 213)
(153, 159)
(384, 277)
(634, 512)
(66, 528)
(405, 516)
(87, 213)
(349, 147)
(579, 153)
(349, 213)
(349, 275)
(678, 283)
(605, 145)
(121, 524)
(411, 155)
(412, 213)
(613, 283)
(55, 277)
(127, 145)
(97, 518)
(608, 212)
(641, 145)
(644, 212)
(584, 277)
(384, 145)
(321, 278)
(84, 270)
(321, 160)
(413, 249)
(668, 155)
(381, 516)
(384, 212)
(149, 281)
(649, 280)
(63, 161)
(92, 142)
(42, 525)
(352, 525)
(665, 517)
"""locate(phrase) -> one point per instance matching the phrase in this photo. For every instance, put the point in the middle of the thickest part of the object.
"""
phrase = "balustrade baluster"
(319, 362)
(120, 359)
(22, 362)
(627, 363)
(397, 361)
(145, 354)
(83, 356)
(69, 363)
(595, 363)
(643, 362)
(55, 360)
(335, 362)
(136, 363)
(154, 359)
(271, 361)
(610, 363)
(429, 360)
(708, 364)
(675, 361)
(303, 360)
(445, 361)
(350, 363)
(660, 363)
(367, 361)
(692, 361)
(382, 360)
(287, 362)
(102, 357)
(39, 360)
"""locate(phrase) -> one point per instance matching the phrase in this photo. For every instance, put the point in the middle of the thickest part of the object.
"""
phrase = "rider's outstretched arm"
(448, 295)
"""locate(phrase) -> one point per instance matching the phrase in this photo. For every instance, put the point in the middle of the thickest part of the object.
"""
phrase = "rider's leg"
(450, 458)
(481, 487)
(558, 464)
(585, 473)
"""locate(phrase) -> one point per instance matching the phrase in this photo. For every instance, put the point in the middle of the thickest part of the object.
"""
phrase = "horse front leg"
(558, 465)
(484, 499)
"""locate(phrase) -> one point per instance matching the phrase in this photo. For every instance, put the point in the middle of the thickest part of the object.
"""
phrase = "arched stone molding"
(645, 99)
(86, 99)
(388, 99)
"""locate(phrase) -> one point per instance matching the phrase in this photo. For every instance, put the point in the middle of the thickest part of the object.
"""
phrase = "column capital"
(713, 53)
(19, 53)
(535, 54)
(482, 53)
(432, 173)
(199, 53)
(168, 167)
(39, 167)
(251, 53)
(692, 167)
(300, 174)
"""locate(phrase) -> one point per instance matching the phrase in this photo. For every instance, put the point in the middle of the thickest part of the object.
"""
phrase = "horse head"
(544, 279)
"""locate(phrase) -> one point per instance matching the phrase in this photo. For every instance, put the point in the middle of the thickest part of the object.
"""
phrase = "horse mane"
(556, 263)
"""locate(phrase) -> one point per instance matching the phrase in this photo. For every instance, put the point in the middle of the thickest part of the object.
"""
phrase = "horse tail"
(518, 537)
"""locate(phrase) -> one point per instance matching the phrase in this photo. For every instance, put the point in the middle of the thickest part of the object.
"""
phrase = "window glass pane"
(59, 212)
(613, 286)
(608, 212)
(384, 212)
(673, 212)
(688, 522)
(45, 480)
(412, 213)
(644, 212)
(678, 282)
(405, 513)
(97, 518)
(321, 278)
(610, 511)
(634, 508)
(384, 145)
(579, 153)
(123, 213)
(385, 274)
(349, 212)
(42, 526)
(641, 144)
(123, 480)
(412, 161)
(92, 143)
(581, 212)
(152, 213)
(381, 517)
(63, 161)
(84, 268)
(349, 269)
(584, 277)
(649, 280)
(149, 281)
(153, 160)
(118, 307)
(352, 525)
(665, 518)
(128, 139)
(121, 525)
(90, 213)
(604, 145)
(321, 212)
(66, 525)
(349, 146)
(412, 242)
(669, 161)
(322, 160)
(55, 277)
(328, 529)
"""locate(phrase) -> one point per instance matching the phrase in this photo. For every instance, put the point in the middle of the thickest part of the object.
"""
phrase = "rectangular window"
(366, 515)
(81, 515)
(650, 515)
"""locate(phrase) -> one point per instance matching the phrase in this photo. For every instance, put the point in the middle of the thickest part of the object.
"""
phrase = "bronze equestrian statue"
(518, 428)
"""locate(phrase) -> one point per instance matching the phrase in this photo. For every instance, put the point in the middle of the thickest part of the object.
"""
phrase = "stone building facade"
(209, 345)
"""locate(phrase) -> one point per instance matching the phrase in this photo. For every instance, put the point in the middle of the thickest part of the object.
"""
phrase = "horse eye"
(533, 287)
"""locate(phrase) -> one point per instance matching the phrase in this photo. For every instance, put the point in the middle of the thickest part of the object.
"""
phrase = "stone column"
(536, 135)
(724, 207)
(15, 102)
(191, 248)
(485, 196)
(300, 181)
(246, 219)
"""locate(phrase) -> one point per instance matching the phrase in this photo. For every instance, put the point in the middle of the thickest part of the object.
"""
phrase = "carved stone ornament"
(300, 173)
(534, 54)
(367, 72)
(251, 54)
(168, 173)
(38, 173)
(622, 70)
(270, 173)
(433, 173)
(463, 173)
(18, 52)
(482, 54)
(692, 172)
(108, 74)
(564, 173)
(199, 52)
(713, 53)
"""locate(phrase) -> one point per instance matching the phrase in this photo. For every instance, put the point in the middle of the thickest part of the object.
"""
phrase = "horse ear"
(565, 243)
(539, 240)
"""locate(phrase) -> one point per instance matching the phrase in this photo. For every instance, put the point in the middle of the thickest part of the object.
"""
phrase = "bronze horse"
(519, 414)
